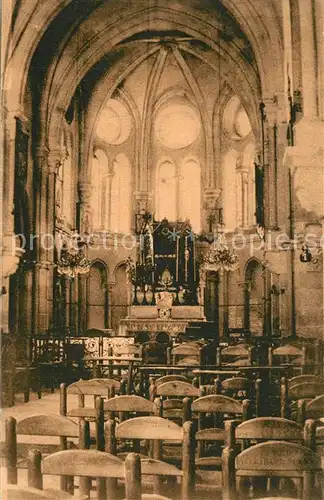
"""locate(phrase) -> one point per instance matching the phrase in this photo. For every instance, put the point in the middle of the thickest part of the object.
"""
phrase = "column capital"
(142, 200)
(55, 159)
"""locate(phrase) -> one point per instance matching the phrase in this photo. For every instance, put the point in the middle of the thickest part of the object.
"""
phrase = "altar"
(149, 319)
(166, 295)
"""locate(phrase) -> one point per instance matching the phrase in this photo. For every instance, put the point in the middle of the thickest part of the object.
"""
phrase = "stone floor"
(49, 403)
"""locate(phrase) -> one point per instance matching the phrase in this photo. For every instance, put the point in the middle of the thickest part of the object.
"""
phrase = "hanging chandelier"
(220, 256)
(73, 261)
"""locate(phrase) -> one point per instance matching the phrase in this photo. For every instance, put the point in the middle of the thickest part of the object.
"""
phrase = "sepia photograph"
(161, 250)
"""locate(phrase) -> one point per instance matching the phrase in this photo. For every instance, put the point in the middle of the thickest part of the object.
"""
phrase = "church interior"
(162, 216)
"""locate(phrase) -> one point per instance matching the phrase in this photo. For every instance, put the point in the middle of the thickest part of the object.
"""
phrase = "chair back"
(171, 378)
(311, 409)
(187, 353)
(299, 379)
(212, 411)
(88, 464)
(291, 394)
(272, 458)
(271, 428)
(127, 350)
(176, 388)
(158, 430)
(289, 354)
(38, 425)
(217, 403)
(129, 406)
(234, 355)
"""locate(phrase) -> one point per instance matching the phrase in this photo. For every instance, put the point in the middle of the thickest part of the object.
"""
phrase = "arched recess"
(166, 190)
(99, 179)
(119, 297)
(229, 189)
(212, 297)
(190, 193)
(254, 297)
(97, 296)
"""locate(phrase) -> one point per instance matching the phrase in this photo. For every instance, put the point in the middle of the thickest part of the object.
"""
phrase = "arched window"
(229, 189)
(119, 186)
(190, 193)
(111, 192)
(166, 191)
(245, 188)
(97, 297)
(99, 175)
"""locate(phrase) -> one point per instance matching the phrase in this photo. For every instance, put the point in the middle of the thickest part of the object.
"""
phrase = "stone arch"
(264, 33)
(119, 295)
(97, 299)
(135, 26)
(254, 296)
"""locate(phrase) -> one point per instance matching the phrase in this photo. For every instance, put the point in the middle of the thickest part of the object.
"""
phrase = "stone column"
(84, 187)
(222, 302)
(271, 164)
(82, 303)
(110, 287)
(211, 197)
(43, 287)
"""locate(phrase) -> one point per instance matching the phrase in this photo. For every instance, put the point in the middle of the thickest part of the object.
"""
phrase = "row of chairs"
(271, 458)
(165, 389)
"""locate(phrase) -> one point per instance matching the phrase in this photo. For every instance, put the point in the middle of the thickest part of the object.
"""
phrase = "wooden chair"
(88, 464)
(268, 429)
(290, 394)
(94, 413)
(120, 370)
(172, 395)
(289, 354)
(169, 378)
(240, 388)
(299, 379)
(186, 354)
(272, 459)
(39, 425)
(311, 409)
(114, 386)
(158, 431)
(212, 412)
(234, 355)
(129, 407)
